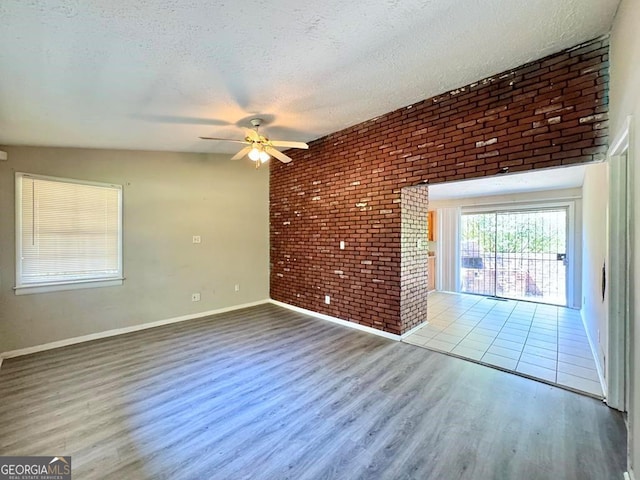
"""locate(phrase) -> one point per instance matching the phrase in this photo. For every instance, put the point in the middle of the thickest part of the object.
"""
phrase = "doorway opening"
(546, 325)
(515, 254)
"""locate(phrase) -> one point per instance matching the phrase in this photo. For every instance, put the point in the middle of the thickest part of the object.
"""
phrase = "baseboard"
(339, 321)
(121, 331)
(596, 355)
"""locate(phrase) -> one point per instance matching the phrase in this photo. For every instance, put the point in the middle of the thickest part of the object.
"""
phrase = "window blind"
(69, 231)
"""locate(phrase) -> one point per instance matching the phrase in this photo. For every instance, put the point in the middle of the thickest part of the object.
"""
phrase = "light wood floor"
(265, 393)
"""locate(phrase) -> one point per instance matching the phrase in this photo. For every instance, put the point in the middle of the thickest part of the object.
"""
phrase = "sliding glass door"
(517, 254)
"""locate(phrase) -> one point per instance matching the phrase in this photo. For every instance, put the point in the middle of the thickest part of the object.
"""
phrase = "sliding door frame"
(573, 226)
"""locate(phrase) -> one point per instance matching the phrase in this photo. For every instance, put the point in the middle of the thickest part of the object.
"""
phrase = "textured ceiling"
(156, 74)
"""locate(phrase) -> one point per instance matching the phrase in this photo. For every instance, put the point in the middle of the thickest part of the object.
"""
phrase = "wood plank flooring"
(266, 393)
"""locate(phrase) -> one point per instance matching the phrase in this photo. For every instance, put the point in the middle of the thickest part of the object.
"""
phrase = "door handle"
(562, 257)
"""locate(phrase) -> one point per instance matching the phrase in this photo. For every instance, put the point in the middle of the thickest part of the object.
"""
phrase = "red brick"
(435, 140)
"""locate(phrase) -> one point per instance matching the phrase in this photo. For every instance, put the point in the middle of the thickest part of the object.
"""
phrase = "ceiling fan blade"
(280, 143)
(252, 134)
(241, 153)
(279, 155)
(223, 139)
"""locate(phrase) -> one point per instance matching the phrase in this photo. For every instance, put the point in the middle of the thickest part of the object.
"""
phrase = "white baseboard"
(339, 321)
(596, 355)
(120, 331)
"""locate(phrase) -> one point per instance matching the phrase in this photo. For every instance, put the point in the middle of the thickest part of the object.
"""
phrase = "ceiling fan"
(258, 147)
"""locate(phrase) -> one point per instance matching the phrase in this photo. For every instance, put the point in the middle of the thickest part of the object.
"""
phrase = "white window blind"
(68, 231)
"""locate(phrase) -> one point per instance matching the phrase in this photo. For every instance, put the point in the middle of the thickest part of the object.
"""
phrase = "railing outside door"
(515, 254)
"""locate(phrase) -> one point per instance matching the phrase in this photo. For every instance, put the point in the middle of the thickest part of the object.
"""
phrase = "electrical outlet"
(195, 297)
(237, 287)
(327, 299)
(197, 239)
(341, 244)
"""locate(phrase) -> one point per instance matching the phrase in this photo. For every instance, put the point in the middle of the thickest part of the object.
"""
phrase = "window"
(68, 234)
(516, 252)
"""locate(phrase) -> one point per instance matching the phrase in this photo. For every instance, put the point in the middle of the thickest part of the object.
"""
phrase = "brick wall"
(347, 186)
(414, 206)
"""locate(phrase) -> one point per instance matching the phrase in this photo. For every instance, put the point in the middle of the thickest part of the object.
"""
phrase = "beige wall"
(594, 255)
(168, 198)
(624, 101)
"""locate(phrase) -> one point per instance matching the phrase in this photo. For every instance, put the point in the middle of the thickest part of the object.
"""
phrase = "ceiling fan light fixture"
(254, 154)
(259, 148)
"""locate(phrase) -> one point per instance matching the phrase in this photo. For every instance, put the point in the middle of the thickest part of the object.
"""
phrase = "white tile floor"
(541, 341)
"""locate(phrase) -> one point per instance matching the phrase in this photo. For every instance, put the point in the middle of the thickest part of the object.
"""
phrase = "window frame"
(29, 288)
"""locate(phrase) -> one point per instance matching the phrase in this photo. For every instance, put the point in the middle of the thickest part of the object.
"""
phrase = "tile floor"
(540, 341)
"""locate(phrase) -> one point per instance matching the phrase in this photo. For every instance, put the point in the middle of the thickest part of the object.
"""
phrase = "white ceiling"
(531, 181)
(156, 74)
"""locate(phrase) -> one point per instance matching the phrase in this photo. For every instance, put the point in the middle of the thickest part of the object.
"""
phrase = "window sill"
(56, 287)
